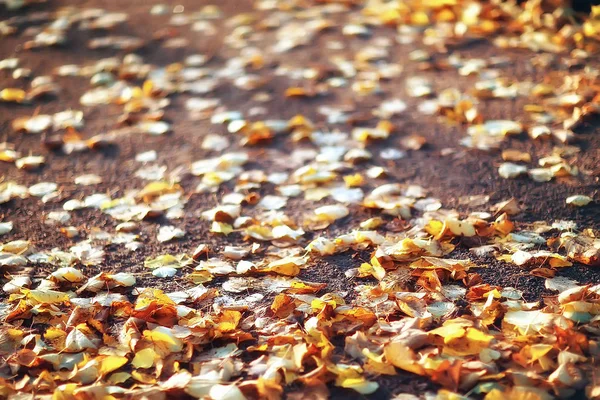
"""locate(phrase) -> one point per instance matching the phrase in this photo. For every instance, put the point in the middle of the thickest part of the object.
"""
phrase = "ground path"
(227, 155)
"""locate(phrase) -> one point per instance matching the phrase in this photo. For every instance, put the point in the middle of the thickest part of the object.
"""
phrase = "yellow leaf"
(364, 315)
(349, 376)
(111, 363)
(539, 350)
(372, 223)
(283, 305)
(53, 333)
(118, 378)
(460, 228)
(449, 331)
(148, 87)
(221, 227)
(143, 377)
(144, 358)
(419, 18)
(472, 343)
(328, 299)
(367, 269)
(47, 296)
(478, 336)
(154, 189)
(163, 340)
(558, 261)
(150, 296)
(376, 365)
(379, 368)
(229, 320)
(11, 94)
(354, 180)
(288, 266)
(200, 277)
(402, 357)
(65, 392)
(259, 232)
(300, 287)
(361, 385)
(435, 228)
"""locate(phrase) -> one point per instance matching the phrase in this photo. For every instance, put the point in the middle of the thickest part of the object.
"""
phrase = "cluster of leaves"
(104, 334)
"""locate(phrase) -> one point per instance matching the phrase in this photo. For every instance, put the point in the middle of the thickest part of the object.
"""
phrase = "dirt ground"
(456, 175)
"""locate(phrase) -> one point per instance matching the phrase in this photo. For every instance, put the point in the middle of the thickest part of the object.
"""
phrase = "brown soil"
(450, 178)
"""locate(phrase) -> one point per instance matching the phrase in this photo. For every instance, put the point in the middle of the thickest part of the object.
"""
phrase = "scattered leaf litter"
(78, 328)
